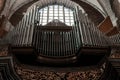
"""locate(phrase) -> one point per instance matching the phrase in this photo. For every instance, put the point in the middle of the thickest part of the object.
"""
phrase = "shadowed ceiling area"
(2, 3)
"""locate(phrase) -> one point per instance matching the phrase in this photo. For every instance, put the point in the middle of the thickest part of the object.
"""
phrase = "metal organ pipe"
(72, 43)
(25, 30)
(76, 34)
(42, 42)
(81, 35)
(64, 44)
(63, 51)
(87, 24)
(29, 29)
(118, 38)
(92, 34)
(23, 33)
(115, 39)
(48, 42)
(95, 34)
(69, 50)
(52, 37)
(87, 30)
(89, 34)
(52, 43)
(17, 35)
(45, 43)
(33, 25)
(23, 26)
(40, 33)
(75, 31)
(51, 46)
(77, 27)
(39, 43)
(33, 28)
(82, 28)
(21, 29)
(37, 37)
(63, 39)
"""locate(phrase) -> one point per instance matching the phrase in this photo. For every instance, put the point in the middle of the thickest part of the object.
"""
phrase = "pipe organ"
(58, 42)
(90, 35)
(115, 40)
(23, 33)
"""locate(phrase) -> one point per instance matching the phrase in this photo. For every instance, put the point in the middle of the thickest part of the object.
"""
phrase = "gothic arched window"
(56, 12)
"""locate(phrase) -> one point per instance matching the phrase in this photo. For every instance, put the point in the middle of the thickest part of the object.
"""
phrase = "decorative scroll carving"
(27, 74)
(3, 51)
(115, 55)
(56, 26)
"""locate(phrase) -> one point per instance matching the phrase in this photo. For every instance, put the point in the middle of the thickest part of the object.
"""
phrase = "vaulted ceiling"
(23, 5)
(2, 3)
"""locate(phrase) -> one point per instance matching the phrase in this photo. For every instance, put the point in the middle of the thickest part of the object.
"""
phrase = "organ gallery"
(59, 40)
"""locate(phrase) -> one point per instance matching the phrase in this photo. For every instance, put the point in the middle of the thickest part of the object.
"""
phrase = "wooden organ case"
(57, 43)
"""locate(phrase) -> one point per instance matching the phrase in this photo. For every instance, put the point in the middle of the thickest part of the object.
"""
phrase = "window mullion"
(69, 19)
(63, 14)
(48, 14)
(53, 12)
(58, 12)
(42, 16)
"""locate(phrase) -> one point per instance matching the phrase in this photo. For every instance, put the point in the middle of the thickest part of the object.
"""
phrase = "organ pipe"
(115, 39)
(58, 43)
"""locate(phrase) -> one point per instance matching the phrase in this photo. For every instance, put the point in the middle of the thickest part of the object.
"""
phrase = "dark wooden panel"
(112, 31)
(105, 25)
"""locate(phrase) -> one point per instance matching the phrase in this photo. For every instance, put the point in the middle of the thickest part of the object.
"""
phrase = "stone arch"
(93, 13)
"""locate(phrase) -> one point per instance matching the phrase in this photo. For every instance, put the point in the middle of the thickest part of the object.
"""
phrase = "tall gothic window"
(56, 12)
